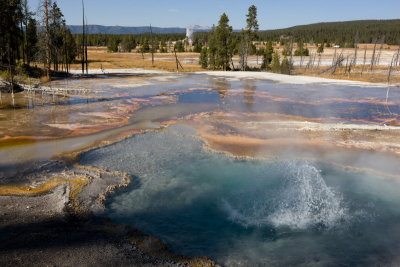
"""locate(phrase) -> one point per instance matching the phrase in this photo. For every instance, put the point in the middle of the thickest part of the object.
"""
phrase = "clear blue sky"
(273, 14)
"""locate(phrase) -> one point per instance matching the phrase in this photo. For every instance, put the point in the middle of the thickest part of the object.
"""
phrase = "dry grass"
(100, 58)
(379, 75)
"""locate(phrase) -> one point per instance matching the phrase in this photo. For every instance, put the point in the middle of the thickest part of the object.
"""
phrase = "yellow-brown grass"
(380, 75)
(100, 58)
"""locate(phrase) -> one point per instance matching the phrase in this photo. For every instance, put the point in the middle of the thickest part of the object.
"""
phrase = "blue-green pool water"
(243, 212)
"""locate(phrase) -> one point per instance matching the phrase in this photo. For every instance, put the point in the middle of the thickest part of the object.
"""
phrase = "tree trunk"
(47, 38)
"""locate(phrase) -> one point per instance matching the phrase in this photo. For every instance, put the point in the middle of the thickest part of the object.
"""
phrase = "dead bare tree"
(396, 64)
(378, 58)
(178, 63)
(391, 69)
(310, 61)
(388, 82)
(319, 60)
(353, 63)
(83, 38)
(291, 56)
(244, 50)
(47, 41)
(233, 65)
(347, 66)
(373, 56)
(301, 60)
(338, 62)
(365, 60)
(86, 48)
(152, 46)
(313, 63)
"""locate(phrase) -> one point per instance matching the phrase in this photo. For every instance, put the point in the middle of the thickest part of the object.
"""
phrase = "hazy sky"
(272, 14)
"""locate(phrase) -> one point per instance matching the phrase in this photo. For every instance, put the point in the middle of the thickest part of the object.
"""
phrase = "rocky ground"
(50, 222)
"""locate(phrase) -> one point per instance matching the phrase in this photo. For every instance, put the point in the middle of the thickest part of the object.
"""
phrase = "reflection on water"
(28, 114)
(285, 211)
(251, 212)
(249, 87)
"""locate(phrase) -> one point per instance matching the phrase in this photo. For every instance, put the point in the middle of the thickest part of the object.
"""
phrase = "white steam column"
(189, 34)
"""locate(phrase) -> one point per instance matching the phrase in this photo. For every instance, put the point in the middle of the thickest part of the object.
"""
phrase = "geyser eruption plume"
(190, 30)
(189, 33)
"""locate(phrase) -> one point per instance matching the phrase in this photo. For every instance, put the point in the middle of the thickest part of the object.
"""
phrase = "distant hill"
(341, 32)
(96, 29)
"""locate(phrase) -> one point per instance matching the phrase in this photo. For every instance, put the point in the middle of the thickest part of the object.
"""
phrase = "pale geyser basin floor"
(251, 212)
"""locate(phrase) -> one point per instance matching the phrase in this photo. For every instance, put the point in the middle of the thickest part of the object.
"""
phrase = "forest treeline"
(127, 42)
(344, 34)
(341, 33)
(28, 38)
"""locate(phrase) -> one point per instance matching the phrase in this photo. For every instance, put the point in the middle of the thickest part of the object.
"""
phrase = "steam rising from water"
(251, 212)
(302, 200)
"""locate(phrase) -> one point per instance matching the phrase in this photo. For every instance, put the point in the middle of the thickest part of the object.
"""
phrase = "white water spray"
(301, 200)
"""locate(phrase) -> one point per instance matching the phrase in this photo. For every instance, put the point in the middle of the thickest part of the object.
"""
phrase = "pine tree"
(163, 46)
(113, 46)
(204, 58)
(57, 34)
(10, 38)
(127, 43)
(285, 66)
(212, 48)
(197, 47)
(267, 57)
(26, 18)
(276, 64)
(10, 32)
(223, 43)
(301, 51)
(320, 48)
(248, 36)
(46, 40)
(145, 46)
(31, 40)
(179, 47)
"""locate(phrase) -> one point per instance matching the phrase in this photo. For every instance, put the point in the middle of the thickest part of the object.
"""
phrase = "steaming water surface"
(239, 212)
(251, 212)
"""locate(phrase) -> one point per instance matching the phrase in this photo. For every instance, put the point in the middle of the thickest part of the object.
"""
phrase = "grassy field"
(99, 58)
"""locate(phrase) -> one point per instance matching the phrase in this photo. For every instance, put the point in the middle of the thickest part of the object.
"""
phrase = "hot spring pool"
(243, 212)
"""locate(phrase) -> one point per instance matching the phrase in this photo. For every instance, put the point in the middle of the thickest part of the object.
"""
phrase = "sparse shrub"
(320, 48)
(5, 75)
(179, 47)
(113, 46)
(276, 64)
(267, 57)
(301, 51)
(204, 58)
(197, 47)
(285, 66)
